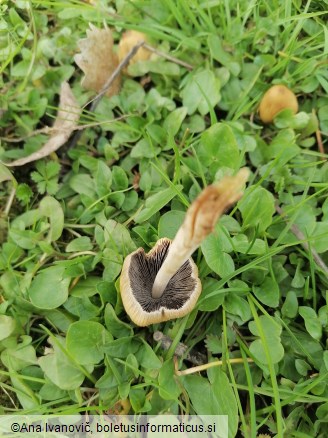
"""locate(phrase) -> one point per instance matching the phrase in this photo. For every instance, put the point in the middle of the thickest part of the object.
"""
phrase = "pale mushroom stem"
(199, 222)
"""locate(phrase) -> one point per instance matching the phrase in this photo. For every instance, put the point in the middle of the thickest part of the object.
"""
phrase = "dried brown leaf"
(97, 60)
(65, 123)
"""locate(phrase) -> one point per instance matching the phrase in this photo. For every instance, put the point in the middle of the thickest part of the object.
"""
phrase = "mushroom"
(164, 283)
(276, 99)
(129, 39)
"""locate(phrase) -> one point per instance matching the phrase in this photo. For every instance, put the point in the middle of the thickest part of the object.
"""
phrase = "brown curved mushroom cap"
(137, 278)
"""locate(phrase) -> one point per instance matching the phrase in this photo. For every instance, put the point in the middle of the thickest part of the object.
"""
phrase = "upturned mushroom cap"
(137, 278)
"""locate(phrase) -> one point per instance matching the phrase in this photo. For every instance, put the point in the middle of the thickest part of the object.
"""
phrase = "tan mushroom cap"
(137, 277)
(276, 99)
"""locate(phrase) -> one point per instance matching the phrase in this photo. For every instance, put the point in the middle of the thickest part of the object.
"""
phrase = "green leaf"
(49, 289)
(268, 292)
(115, 326)
(312, 322)
(174, 120)
(120, 180)
(79, 244)
(320, 235)
(5, 174)
(59, 369)
(147, 357)
(237, 305)
(269, 332)
(214, 397)
(212, 295)
(118, 238)
(169, 389)
(201, 92)
(85, 341)
(83, 184)
(18, 355)
(144, 149)
(290, 306)
(7, 326)
(221, 55)
(155, 202)
(169, 223)
(213, 344)
(241, 244)
(257, 208)
(138, 400)
(52, 209)
(103, 179)
(121, 347)
(218, 147)
(214, 247)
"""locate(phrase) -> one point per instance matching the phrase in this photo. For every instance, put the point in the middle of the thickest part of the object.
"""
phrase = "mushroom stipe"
(137, 278)
(164, 283)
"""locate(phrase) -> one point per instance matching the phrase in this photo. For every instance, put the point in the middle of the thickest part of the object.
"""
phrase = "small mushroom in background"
(164, 283)
(276, 99)
(129, 39)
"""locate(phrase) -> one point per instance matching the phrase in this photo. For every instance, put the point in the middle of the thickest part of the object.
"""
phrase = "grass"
(68, 221)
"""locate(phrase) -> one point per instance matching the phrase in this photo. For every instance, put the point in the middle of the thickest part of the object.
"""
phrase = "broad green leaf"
(214, 396)
(5, 174)
(19, 355)
(302, 367)
(169, 389)
(155, 203)
(59, 369)
(201, 92)
(7, 326)
(79, 244)
(221, 55)
(169, 223)
(49, 289)
(312, 322)
(212, 295)
(225, 396)
(174, 120)
(138, 400)
(28, 399)
(86, 287)
(147, 357)
(237, 305)
(290, 306)
(144, 149)
(257, 208)
(241, 244)
(218, 147)
(121, 347)
(103, 179)
(52, 209)
(118, 238)
(215, 248)
(268, 292)
(120, 180)
(85, 341)
(320, 236)
(115, 326)
(112, 262)
(51, 392)
(83, 184)
(269, 342)
(130, 200)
